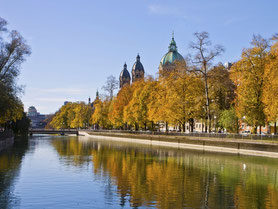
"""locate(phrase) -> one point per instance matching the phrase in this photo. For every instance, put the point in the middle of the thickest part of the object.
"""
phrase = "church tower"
(124, 77)
(171, 58)
(137, 70)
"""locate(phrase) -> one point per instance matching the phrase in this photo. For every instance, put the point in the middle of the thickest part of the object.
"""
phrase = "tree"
(100, 115)
(13, 52)
(184, 91)
(248, 76)
(229, 120)
(135, 113)
(116, 113)
(158, 106)
(72, 115)
(270, 88)
(222, 90)
(110, 86)
(203, 58)
(82, 116)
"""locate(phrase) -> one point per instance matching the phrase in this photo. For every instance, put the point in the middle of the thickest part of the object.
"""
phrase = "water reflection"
(10, 161)
(169, 178)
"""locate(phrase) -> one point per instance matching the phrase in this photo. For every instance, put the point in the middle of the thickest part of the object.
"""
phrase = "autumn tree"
(185, 96)
(270, 87)
(135, 113)
(158, 106)
(82, 113)
(72, 115)
(100, 115)
(116, 113)
(202, 60)
(248, 76)
(13, 52)
(221, 90)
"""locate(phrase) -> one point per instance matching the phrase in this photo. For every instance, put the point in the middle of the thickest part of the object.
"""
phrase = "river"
(79, 172)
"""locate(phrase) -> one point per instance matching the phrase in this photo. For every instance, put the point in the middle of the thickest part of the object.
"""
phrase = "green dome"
(170, 57)
(172, 54)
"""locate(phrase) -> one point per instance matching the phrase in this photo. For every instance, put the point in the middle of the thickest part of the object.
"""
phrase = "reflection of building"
(37, 120)
(171, 58)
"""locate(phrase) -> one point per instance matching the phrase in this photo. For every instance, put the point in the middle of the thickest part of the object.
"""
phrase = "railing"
(199, 135)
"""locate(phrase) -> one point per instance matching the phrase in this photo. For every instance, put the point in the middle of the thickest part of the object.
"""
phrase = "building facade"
(37, 119)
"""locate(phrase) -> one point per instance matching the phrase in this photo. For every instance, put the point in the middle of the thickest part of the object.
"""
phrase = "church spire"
(97, 94)
(138, 57)
(173, 46)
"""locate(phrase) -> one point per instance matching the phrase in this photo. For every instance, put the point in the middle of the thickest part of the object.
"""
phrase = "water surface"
(72, 172)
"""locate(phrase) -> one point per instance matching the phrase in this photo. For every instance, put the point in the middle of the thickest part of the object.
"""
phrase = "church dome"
(125, 73)
(137, 70)
(124, 77)
(138, 65)
(172, 55)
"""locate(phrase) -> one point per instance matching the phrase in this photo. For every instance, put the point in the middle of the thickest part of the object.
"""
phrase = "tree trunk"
(254, 129)
(275, 128)
(166, 127)
(183, 127)
(191, 124)
(207, 103)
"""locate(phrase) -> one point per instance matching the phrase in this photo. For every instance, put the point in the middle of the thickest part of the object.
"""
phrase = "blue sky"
(77, 44)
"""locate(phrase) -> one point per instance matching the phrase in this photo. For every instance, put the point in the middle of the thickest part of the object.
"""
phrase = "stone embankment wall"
(246, 147)
(6, 140)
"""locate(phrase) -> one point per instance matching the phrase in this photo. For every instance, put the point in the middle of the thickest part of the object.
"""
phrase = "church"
(167, 63)
(137, 73)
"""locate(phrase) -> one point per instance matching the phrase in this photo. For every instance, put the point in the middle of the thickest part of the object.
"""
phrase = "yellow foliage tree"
(100, 115)
(185, 96)
(270, 88)
(248, 76)
(116, 113)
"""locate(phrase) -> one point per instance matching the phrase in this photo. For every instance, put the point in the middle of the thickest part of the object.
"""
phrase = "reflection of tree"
(177, 179)
(10, 161)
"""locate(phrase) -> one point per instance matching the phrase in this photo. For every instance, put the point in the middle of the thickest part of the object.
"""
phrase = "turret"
(124, 77)
(137, 70)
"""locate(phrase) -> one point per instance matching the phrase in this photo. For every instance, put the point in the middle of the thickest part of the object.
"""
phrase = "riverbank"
(6, 140)
(236, 146)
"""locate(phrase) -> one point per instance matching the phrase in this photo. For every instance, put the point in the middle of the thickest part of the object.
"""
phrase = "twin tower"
(137, 73)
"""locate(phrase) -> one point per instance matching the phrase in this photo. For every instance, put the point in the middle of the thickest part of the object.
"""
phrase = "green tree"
(229, 120)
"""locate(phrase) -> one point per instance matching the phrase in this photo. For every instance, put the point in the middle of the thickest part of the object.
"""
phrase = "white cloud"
(234, 20)
(166, 10)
